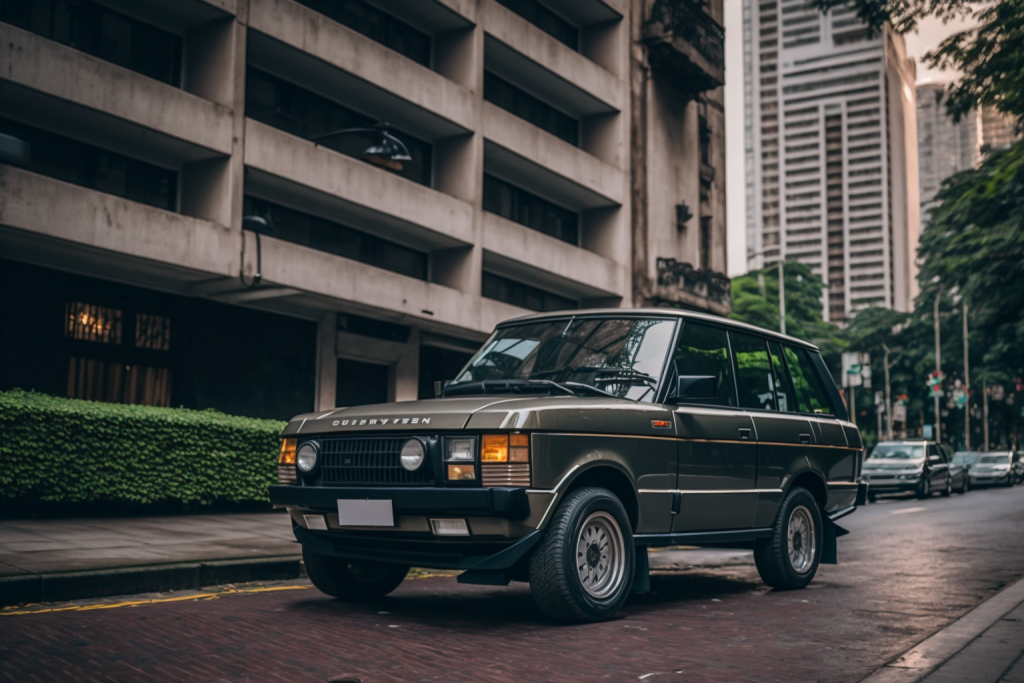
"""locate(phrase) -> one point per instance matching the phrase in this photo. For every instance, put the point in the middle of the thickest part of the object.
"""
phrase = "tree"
(751, 304)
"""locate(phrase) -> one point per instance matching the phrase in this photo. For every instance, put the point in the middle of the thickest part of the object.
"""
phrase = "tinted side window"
(783, 387)
(810, 395)
(753, 372)
(704, 350)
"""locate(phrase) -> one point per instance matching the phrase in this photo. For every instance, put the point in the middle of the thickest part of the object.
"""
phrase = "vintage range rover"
(568, 445)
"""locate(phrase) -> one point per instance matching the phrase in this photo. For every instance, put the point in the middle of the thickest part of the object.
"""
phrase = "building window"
(318, 233)
(284, 105)
(78, 163)
(102, 365)
(376, 25)
(530, 210)
(705, 242)
(546, 20)
(101, 32)
(510, 98)
(88, 322)
(524, 296)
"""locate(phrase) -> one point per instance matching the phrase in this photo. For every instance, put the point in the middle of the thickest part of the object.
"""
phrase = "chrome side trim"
(841, 484)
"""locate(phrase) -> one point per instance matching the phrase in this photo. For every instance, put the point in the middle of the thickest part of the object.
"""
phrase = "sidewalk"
(58, 559)
(986, 645)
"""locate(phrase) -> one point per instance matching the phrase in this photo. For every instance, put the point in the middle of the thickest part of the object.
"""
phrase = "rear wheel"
(790, 558)
(350, 580)
(946, 492)
(583, 569)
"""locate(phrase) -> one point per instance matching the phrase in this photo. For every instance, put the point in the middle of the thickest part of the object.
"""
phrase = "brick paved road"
(909, 568)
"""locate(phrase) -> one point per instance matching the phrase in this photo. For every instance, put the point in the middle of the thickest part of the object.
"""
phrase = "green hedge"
(70, 451)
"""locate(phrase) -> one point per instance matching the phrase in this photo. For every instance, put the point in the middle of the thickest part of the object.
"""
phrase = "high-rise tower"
(831, 155)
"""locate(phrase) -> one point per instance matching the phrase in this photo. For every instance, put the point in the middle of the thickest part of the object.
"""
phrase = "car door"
(767, 395)
(716, 450)
(937, 468)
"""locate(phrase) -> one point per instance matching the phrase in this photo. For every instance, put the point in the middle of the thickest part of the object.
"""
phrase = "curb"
(101, 583)
(931, 653)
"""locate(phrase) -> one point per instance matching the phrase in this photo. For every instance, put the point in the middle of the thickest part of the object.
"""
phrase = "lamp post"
(938, 367)
(387, 151)
(967, 387)
(782, 288)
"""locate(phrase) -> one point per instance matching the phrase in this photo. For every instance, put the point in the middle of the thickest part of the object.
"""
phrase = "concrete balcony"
(544, 164)
(685, 45)
(530, 256)
(299, 44)
(58, 225)
(293, 171)
(48, 84)
(523, 54)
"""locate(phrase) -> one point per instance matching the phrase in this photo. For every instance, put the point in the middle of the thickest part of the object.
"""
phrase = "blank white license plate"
(365, 513)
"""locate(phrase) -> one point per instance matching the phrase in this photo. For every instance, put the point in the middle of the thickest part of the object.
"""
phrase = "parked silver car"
(997, 468)
(913, 465)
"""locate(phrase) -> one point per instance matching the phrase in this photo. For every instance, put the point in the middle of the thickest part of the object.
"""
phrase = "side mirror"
(439, 387)
(695, 388)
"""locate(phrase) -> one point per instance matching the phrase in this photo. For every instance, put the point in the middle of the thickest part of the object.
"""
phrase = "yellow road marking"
(136, 603)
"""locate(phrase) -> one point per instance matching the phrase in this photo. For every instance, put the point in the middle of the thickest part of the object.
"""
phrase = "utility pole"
(938, 367)
(967, 387)
(984, 410)
(782, 299)
(888, 396)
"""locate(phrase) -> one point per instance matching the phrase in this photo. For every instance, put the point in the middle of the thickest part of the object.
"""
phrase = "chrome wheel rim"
(800, 534)
(600, 555)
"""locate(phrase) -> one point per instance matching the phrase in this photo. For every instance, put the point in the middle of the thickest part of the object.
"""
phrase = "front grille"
(501, 474)
(368, 460)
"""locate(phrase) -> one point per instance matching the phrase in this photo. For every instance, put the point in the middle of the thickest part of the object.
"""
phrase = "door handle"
(746, 435)
(805, 438)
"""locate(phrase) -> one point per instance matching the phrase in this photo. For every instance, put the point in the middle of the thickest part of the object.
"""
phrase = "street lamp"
(782, 289)
(258, 225)
(387, 151)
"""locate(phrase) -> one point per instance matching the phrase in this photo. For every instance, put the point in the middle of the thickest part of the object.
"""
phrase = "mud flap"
(829, 553)
(642, 571)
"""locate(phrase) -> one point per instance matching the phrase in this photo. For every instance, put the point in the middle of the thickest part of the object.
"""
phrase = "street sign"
(854, 366)
(880, 398)
(899, 413)
(926, 432)
(960, 398)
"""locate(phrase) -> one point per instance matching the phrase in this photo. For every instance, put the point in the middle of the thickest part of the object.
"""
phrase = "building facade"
(944, 147)
(830, 146)
(998, 130)
(185, 232)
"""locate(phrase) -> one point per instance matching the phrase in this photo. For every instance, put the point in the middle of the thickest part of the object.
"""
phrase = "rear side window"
(753, 372)
(810, 394)
(704, 350)
(783, 387)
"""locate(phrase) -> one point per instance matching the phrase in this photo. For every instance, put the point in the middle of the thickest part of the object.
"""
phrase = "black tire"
(352, 581)
(963, 485)
(1009, 481)
(946, 492)
(555, 581)
(924, 488)
(772, 555)
(872, 497)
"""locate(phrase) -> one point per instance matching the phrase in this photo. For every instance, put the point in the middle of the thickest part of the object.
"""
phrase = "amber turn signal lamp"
(461, 472)
(494, 448)
(287, 456)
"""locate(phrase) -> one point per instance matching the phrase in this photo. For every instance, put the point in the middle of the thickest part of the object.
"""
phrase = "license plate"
(365, 513)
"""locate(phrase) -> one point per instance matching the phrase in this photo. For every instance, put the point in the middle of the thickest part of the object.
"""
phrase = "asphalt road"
(908, 568)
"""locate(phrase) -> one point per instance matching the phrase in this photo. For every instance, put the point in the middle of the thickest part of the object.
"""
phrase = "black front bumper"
(508, 503)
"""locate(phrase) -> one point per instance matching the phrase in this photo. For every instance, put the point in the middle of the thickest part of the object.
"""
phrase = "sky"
(928, 36)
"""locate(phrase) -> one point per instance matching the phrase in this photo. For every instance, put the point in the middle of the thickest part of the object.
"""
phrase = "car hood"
(893, 464)
(571, 413)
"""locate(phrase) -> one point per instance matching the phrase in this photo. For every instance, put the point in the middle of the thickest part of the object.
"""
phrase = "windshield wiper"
(502, 386)
(619, 375)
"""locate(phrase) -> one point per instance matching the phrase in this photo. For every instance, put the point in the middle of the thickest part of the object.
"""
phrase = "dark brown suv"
(567, 446)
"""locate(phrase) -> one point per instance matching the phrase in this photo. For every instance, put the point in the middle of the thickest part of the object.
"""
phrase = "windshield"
(623, 357)
(994, 459)
(966, 458)
(897, 451)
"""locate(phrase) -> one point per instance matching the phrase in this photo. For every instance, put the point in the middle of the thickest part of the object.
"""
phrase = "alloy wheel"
(600, 555)
(800, 533)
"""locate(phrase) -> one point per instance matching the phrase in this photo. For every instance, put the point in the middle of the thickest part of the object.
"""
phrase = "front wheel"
(924, 489)
(946, 492)
(583, 569)
(790, 558)
(350, 580)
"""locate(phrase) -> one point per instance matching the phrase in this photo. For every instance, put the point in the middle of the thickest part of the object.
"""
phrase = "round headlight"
(412, 455)
(305, 457)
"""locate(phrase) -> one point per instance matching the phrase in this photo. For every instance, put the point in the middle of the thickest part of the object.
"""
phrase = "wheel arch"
(611, 476)
(815, 484)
